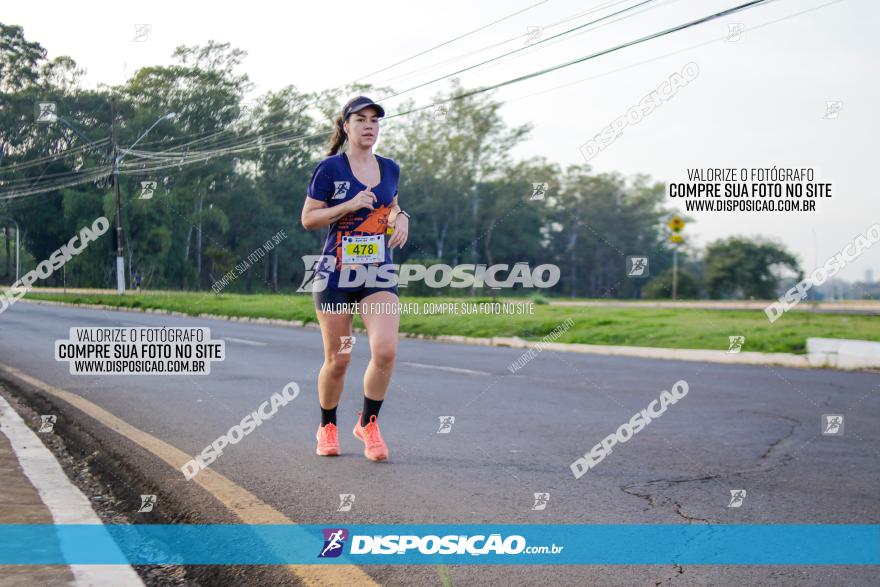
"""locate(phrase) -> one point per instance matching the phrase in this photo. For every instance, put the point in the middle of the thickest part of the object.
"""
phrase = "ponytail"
(339, 137)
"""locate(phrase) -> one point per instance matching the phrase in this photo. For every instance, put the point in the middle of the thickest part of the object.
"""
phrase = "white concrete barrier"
(843, 353)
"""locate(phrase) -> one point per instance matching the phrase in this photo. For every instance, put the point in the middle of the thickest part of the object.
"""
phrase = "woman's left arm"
(401, 228)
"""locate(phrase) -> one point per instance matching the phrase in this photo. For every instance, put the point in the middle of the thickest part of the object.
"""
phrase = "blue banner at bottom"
(509, 544)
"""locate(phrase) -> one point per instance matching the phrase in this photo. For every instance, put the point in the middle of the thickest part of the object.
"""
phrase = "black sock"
(371, 408)
(328, 416)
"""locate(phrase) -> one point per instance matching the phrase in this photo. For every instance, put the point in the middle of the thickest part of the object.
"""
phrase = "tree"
(599, 220)
(447, 154)
(230, 175)
(282, 175)
(32, 152)
(660, 287)
(740, 267)
(204, 91)
(19, 59)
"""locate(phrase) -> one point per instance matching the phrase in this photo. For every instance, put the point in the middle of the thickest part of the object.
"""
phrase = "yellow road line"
(245, 505)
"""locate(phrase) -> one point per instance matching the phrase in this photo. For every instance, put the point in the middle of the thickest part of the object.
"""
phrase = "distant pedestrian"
(137, 280)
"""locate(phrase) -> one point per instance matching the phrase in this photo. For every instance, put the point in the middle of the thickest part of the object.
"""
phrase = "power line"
(458, 38)
(201, 156)
(665, 55)
(563, 33)
(197, 156)
(51, 158)
(34, 180)
(337, 88)
(205, 134)
(184, 158)
(484, 67)
(171, 159)
(315, 101)
(176, 153)
(61, 176)
(414, 72)
(547, 70)
(250, 144)
(257, 142)
(677, 51)
(181, 150)
(91, 175)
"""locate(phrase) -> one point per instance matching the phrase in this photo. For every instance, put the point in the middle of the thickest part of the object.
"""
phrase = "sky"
(759, 98)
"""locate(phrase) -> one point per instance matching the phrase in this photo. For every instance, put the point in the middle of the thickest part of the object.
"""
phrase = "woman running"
(354, 194)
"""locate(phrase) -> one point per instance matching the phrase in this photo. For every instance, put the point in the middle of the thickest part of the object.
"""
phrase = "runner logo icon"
(148, 188)
(334, 541)
(346, 500)
(346, 344)
(148, 502)
(317, 270)
(832, 424)
(637, 267)
(736, 343)
(47, 423)
(737, 497)
(539, 190)
(341, 190)
(446, 423)
(541, 501)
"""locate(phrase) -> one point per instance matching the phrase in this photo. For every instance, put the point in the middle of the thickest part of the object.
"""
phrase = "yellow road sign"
(676, 238)
(676, 224)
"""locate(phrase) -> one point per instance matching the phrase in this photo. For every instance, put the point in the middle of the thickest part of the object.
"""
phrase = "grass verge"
(637, 326)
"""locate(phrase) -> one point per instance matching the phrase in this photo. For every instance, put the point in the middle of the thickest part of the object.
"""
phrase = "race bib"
(363, 249)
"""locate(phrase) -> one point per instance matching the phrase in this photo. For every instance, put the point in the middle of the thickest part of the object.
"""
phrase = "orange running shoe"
(328, 440)
(375, 448)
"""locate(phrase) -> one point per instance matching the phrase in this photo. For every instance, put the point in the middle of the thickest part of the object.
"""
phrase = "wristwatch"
(392, 217)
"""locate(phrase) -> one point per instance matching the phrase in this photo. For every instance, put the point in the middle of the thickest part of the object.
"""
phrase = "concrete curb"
(41, 472)
(699, 355)
(843, 353)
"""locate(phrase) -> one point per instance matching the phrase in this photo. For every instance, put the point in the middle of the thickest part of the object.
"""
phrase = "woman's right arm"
(316, 214)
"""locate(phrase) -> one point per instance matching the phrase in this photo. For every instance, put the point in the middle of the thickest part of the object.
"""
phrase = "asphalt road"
(740, 427)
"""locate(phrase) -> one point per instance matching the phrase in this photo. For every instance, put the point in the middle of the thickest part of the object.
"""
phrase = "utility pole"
(17, 245)
(675, 272)
(676, 225)
(120, 262)
(117, 159)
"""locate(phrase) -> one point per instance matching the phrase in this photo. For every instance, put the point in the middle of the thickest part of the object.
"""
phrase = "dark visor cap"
(358, 104)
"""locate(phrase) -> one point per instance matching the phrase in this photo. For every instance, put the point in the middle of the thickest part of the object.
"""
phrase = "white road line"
(442, 368)
(63, 499)
(246, 506)
(230, 338)
(243, 341)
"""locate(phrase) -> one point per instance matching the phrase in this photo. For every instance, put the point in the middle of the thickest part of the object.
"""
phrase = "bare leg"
(382, 328)
(332, 376)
